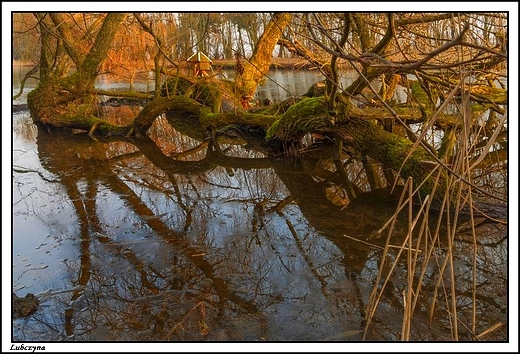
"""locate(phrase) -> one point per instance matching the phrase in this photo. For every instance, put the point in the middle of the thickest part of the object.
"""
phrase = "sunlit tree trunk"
(258, 64)
(68, 101)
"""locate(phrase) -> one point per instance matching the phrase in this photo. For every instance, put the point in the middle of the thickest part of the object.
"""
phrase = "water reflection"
(165, 238)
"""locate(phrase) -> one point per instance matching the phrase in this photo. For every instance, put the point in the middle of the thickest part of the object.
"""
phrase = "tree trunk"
(258, 65)
(391, 150)
(310, 115)
(69, 101)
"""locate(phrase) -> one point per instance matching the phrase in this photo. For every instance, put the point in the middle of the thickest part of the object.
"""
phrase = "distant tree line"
(223, 35)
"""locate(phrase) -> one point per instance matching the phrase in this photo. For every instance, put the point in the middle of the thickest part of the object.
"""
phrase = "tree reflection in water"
(236, 246)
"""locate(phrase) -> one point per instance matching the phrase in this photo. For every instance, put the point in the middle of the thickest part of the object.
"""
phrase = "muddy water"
(137, 240)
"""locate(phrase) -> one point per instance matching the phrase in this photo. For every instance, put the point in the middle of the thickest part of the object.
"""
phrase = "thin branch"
(160, 44)
(25, 78)
(398, 67)
(389, 34)
(426, 19)
(68, 38)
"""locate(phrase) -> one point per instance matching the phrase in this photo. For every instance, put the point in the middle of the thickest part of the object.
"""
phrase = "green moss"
(419, 94)
(271, 132)
(309, 106)
(308, 115)
(494, 94)
(207, 91)
(393, 151)
(176, 86)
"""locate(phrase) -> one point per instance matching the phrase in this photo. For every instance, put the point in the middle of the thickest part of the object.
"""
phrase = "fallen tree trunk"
(391, 150)
(310, 116)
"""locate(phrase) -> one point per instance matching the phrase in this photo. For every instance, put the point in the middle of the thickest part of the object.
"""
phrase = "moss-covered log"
(310, 115)
(176, 104)
(219, 95)
(307, 116)
(389, 149)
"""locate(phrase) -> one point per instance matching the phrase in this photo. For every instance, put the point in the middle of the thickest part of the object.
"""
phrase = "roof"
(199, 57)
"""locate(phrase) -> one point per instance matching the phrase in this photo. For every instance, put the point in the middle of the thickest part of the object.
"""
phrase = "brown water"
(129, 240)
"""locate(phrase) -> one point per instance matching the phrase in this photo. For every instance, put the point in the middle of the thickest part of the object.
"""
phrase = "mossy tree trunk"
(258, 64)
(366, 137)
(68, 101)
(389, 149)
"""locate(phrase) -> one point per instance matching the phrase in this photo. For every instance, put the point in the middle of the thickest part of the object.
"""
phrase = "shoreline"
(225, 64)
(276, 63)
(294, 63)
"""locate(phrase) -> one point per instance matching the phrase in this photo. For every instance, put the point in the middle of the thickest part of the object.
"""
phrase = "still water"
(161, 239)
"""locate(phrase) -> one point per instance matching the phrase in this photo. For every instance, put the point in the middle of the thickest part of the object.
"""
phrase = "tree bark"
(69, 101)
(258, 65)
(390, 150)
(309, 115)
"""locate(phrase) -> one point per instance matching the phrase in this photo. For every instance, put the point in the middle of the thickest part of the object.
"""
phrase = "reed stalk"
(432, 242)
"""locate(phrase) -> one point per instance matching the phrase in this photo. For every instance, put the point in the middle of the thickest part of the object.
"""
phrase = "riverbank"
(227, 64)
(279, 63)
(276, 63)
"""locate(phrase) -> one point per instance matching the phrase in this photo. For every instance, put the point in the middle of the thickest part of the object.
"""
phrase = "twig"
(382, 248)
(490, 329)
(25, 78)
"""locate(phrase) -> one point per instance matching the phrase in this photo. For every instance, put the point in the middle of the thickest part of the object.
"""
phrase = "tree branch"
(98, 52)
(67, 38)
(27, 76)
(385, 63)
(160, 44)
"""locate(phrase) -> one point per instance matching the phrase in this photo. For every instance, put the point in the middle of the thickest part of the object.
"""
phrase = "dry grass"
(436, 243)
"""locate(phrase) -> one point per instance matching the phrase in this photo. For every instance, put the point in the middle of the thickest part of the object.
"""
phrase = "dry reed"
(428, 244)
